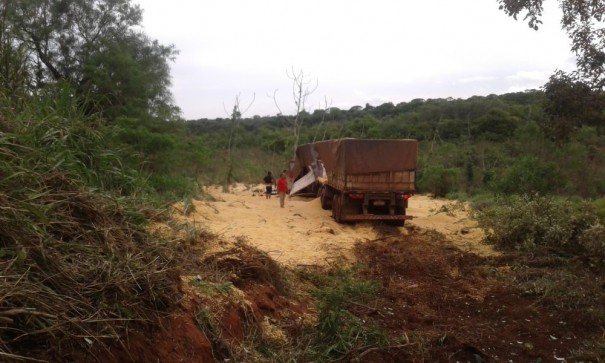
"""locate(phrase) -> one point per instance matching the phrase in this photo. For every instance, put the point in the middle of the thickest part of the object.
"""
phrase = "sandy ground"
(302, 233)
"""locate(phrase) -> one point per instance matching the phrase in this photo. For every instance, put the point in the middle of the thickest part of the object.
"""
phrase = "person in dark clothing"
(269, 181)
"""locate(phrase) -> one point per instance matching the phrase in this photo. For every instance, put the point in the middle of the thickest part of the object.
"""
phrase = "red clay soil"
(177, 339)
(459, 307)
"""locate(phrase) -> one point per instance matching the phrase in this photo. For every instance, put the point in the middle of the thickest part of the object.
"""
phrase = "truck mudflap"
(374, 217)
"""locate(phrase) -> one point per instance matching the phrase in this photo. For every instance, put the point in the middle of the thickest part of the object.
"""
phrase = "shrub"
(593, 240)
(438, 180)
(599, 206)
(524, 222)
(527, 176)
(174, 186)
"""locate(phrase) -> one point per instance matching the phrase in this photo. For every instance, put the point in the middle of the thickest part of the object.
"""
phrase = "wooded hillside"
(509, 143)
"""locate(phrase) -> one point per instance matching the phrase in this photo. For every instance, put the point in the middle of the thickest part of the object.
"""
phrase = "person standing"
(268, 180)
(282, 188)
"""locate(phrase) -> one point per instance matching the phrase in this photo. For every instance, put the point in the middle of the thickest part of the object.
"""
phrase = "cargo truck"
(359, 179)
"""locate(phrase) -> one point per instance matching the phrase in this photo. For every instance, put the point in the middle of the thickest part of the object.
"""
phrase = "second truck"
(359, 179)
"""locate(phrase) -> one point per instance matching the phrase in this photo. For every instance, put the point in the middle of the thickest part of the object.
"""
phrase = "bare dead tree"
(301, 91)
(300, 94)
(234, 120)
(324, 107)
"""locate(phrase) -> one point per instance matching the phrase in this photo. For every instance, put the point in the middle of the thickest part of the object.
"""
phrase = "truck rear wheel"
(337, 208)
(326, 201)
(400, 222)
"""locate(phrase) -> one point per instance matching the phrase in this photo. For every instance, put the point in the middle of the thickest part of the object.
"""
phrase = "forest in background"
(497, 144)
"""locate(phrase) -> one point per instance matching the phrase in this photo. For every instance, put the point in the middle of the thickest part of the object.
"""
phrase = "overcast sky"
(358, 52)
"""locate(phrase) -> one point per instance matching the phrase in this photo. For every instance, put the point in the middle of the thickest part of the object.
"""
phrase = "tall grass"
(60, 137)
(77, 263)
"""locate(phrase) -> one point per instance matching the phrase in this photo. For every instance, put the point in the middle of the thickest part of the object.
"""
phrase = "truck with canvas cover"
(358, 179)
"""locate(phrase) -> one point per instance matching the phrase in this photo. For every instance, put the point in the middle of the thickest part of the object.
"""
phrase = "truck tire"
(398, 223)
(326, 201)
(337, 208)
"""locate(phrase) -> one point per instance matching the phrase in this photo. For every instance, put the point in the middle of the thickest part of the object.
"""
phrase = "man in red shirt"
(282, 188)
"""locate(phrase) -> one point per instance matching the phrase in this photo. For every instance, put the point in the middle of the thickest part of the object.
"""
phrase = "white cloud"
(359, 51)
(476, 79)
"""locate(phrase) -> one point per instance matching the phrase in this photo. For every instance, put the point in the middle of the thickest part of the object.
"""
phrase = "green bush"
(599, 206)
(438, 180)
(528, 175)
(593, 240)
(524, 222)
(173, 187)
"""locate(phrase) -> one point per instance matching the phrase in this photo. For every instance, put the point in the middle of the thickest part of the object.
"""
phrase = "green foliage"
(338, 330)
(437, 180)
(129, 77)
(94, 46)
(56, 130)
(525, 222)
(477, 145)
(582, 22)
(593, 240)
(14, 78)
(363, 128)
(496, 125)
(173, 187)
(142, 139)
(171, 159)
(569, 104)
(599, 207)
(528, 175)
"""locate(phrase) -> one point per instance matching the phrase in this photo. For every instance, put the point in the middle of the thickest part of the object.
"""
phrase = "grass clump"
(338, 331)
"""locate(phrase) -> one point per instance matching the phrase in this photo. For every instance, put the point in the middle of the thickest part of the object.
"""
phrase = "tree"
(129, 77)
(495, 125)
(363, 127)
(235, 119)
(300, 94)
(324, 109)
(529, 175)
(94, 46)
(14, 77)
(568, 104)
(583, 22)
(383, 110)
